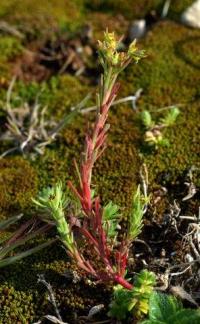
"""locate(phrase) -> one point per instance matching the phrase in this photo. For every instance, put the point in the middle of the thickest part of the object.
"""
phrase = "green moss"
(22, 301)
(169, 74)
(52, 167)
(137, 9)
(168, 164)
(16, 306)
(116, 173)
(59, 94)
(9, 47)
(177, 7)
(18, 183)
(27, 300)
(35, 17)
(68, 92)
(101, 21)
(130, 9)
(5, 77)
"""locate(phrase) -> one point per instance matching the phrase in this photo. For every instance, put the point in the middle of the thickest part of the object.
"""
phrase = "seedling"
(154, 132)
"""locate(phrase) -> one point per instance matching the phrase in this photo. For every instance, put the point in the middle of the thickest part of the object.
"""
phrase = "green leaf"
(134, 301)
(171, 117)
(164, 142)
(152, 322)
(120, 303)
(161, 306)
(185, 316)
(135, 219)
(166, 309)
(111, 211)
(53, 201)
(145, 278)
(146, 119)
(111, 217)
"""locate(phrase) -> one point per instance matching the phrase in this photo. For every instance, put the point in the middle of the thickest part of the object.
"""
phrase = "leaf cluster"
(133, 302)
(166, 309)
(53, 201)
(137, 211)
(170, 118)
(154, 132)
(111, 217)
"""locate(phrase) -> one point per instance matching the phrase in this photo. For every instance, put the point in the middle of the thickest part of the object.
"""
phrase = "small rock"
(189, 258)
(137, 29)
(191, 16)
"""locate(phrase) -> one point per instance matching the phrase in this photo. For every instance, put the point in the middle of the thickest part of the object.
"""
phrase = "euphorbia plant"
(97, 222)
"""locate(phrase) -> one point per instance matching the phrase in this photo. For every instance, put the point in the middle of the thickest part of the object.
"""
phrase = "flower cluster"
(111, 54)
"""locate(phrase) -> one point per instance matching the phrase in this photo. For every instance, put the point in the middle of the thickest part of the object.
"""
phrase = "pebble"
(191, 16)
(137, 29)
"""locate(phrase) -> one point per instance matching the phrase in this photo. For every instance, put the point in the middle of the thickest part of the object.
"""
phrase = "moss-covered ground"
(168, 76)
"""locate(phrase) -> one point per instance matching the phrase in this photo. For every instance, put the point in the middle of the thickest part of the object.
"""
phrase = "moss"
(68, 92)
(27, 300)
(35, 17)
(59, 94)
(32, 17)
(21, 301)
(5, 77)
(168, 164)
(169, 76)
(52, 167)
(9, 47)
(16, 306)
(116, 173)
(18, 183)
(101, 21)
(166, 76)
(177, 7)
(130, 9)
(137, 9)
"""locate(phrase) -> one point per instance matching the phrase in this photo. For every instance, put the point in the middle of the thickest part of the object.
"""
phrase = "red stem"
(123, 282)
(95, 233)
